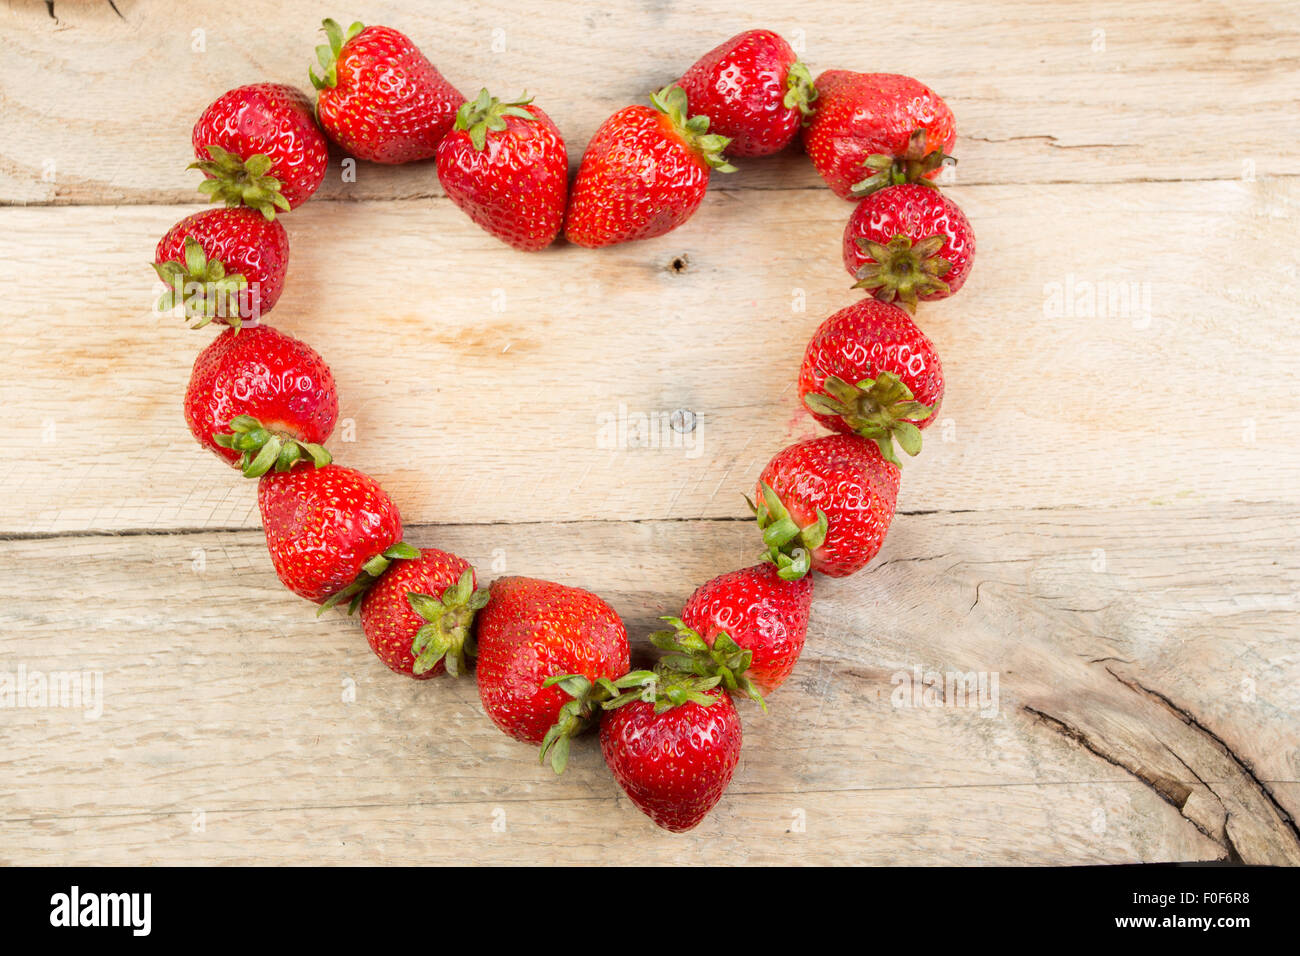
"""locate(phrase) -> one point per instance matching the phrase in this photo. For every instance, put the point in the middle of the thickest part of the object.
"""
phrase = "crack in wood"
(1233, 855)
(1238, 761)
(1048, 139)
(1173, 792)
(927, 557)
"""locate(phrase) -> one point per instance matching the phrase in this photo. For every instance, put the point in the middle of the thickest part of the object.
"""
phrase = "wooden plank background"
(1105, 517)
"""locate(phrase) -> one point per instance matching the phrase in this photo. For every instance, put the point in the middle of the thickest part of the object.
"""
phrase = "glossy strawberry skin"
(863, 340)
(387, 618)
(273, 119)
(245, 242)
(638, 179)
(674, 766)
(262, 372)
(759, 611)
(916, 212)
(516, 186)
(532, 630)
(861, 114)
(851, 482)
(323, 524)
(391, 105)
(740, 86)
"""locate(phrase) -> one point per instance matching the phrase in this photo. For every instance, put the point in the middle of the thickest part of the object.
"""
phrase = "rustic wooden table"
(1104, 521)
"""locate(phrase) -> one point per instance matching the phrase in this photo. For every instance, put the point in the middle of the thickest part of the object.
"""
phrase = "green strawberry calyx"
(663, 687)
(789, 546)
(903, 270)
(261, 449)
(485, 113)
(447, 636)
(328, 53)
(914, 166)
(240, 182)
(582, 711)
(881, 409)
(666, 688)
(202, 286)
(690, 653)
(370, 573)
(693, 130)
(800, 91)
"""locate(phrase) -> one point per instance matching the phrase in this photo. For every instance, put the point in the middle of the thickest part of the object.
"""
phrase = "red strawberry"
(644, 172)
(674, 760)
(506, 166)
(261, 398)
(868, 369)
(825, 505)
(331, 531)
(417, 617)
(756, 609)
(754, 91)
(259, 146)
(233, 260)
(532, 631)
(380, 98)
(873, 130)
(908, 242)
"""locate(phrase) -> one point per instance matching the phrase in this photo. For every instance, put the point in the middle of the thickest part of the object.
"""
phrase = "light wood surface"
(1105, 518)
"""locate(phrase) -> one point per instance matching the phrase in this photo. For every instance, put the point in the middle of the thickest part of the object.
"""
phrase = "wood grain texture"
(1105, 517)
(564, 350)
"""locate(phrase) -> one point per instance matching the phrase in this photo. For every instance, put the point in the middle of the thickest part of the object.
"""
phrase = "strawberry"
(825, 505)
(379, 97)
(417, 617)
(908, 242)
(753, 609)
(506, 166)
(754, 91)
(261, 398)
(259, 146)
(644, 172)
(532, 631)
(873, 130)
(331, 531)
(233, 262)
(674, 755)
(868, 369)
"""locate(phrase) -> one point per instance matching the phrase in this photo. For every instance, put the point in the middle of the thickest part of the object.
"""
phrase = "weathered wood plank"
(487, 385)
(907, 827)
(222, 694)
(98, 108)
